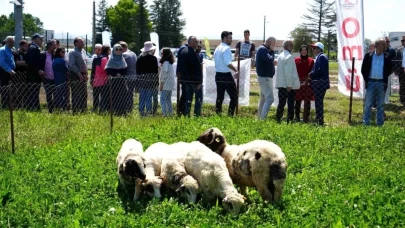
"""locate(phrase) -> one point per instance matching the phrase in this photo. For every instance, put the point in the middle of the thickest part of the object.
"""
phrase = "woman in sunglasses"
(117, 70)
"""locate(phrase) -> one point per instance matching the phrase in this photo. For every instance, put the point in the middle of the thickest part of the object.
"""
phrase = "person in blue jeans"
(148, 78)
(376, 69)
(319, 80)
(166, 81)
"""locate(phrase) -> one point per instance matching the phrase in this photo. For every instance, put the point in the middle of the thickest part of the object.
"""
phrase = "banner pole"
(351, 92)
(237, 88)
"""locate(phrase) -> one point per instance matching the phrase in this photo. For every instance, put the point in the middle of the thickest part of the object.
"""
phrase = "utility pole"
(264, 29)
(18, 19)
(93, 43)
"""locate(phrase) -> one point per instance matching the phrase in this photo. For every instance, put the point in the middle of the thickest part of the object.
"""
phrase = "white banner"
(210, 87)
(106, 36)
(154, 38)
(350, 35)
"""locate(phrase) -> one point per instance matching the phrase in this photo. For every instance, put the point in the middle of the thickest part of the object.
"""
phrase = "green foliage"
(167, 22)
(301, 36)
(143, 25)
(320, 17)
(64, 174)
(121, 20)
(32, 24)
(101, 20)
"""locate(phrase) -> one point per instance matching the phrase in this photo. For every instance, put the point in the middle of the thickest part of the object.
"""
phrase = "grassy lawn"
(64, 171)
(64, 175)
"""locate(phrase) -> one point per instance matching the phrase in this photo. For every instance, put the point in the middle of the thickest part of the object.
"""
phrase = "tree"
(101, 20)
(367, 43)
(319, 17)
(165, 15)
(301, 36)
(31, 24)
(121, 19)
(143, 25)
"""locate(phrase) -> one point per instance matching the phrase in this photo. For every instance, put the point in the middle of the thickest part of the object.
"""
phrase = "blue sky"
(209, 17)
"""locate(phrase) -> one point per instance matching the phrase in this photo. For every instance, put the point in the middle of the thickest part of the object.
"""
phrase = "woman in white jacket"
(166, 81)
(287, 81)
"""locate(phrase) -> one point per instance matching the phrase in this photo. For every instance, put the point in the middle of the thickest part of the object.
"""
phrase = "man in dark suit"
(319, 78)
(35, 72)
(376, 69)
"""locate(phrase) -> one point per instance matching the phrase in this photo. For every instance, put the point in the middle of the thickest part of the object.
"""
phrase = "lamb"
(259, 163)
(209, 169)
(163, 167)
(131, 166)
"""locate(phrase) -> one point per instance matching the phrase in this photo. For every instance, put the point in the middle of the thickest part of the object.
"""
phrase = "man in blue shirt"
(376, 69)
(7, 67)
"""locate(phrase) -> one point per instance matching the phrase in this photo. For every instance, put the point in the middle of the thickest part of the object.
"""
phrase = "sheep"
(175, 177)
(163, 167)
(209, 169)
(259, 163)
(131, 166)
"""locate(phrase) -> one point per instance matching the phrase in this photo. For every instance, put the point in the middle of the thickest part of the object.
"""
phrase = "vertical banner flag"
(106, 37)
(154, 37)
(350, 35)
(207, 47)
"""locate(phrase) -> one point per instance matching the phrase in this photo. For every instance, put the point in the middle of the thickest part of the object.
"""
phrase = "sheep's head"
(233, 203)
(270, 164)
(213, 139)
(133, 167)
(152, 186)
(189, 188)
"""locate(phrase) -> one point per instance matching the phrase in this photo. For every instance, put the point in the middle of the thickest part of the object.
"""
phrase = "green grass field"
(64, 171)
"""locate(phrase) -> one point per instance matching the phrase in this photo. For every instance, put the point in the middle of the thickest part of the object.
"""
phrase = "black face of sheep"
(133, 169)
(213, 139)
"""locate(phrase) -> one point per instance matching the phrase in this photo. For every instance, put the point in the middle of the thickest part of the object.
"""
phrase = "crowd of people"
(119, 73)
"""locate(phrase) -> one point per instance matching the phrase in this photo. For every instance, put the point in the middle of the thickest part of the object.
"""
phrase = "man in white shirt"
(223, 77)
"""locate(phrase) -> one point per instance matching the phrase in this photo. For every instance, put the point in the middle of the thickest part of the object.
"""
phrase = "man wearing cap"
(21, 78)
(223, 76)
(35, 73)
(401, 72)
(130, 59)
(319, 79)
(7, 70)
(78, 76)
(376, 69)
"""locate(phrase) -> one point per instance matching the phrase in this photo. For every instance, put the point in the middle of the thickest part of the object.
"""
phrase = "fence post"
(67, 42)
(10, 106)
(178, 95)
(306, 107)
(86, 44)
(351, 92)
(110, 101)
(237, 88)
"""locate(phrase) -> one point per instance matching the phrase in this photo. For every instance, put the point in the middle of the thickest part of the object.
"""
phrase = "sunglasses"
(118, 49)
(402, 40)
(63, 52)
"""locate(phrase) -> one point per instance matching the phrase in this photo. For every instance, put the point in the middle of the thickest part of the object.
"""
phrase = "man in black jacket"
(20, 80)
(35, 72)
(191, 76)
(376, 69)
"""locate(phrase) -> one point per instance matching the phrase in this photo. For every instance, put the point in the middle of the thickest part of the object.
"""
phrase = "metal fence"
(143, 96)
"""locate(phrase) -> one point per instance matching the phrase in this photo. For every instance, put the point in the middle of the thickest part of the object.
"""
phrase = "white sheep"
(163, 167)
(175, 177)
(131, 166)
(209, 169)
(259, 163)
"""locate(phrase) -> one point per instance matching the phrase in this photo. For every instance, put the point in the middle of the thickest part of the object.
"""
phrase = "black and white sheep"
(259, 163)
(131, 166)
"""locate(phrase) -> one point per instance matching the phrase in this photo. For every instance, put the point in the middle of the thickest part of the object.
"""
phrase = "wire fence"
(140, 96)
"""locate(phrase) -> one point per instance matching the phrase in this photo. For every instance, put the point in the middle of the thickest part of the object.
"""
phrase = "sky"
(209, 18)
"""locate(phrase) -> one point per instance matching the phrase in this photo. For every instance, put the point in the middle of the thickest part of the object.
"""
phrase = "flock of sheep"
(209, 166)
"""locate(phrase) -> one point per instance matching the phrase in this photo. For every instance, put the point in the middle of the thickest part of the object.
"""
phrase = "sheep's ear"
(182, 188)
(258, 155)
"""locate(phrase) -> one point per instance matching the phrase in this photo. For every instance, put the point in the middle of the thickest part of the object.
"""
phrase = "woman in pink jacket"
(99, 80)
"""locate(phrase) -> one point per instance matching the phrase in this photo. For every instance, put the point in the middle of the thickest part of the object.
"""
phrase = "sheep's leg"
(279, 187)
(243, 190)
(265, 193)
(138, 187)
